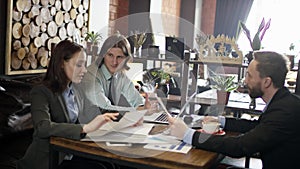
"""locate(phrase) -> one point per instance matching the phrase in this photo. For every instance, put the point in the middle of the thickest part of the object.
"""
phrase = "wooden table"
(134, 156)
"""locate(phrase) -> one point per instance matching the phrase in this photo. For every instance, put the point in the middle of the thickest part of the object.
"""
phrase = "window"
(284, 28)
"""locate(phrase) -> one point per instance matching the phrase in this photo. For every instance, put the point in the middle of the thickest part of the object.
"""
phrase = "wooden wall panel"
(33, 26)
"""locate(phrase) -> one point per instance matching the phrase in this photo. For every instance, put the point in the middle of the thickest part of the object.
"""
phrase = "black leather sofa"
(15, 118)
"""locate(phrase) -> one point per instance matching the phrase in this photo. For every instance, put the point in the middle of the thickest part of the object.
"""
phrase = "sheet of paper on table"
(124, 131)
(179, 148)
(129, 119)
(234, 97)
(108, 133)
(133, 138)
(243, 97)
(124, 125)
(209, 94)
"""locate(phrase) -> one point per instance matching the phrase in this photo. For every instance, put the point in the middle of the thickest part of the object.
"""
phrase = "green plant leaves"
(138, 38)
(224, 83)
(164, 77)
(256, 44)
(93, 37)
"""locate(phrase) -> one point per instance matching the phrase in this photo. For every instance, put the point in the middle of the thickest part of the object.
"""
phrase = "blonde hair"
(116, 41)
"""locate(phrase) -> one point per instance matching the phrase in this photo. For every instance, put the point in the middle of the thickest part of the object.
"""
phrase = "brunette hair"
(273, 65)
(115, 41)
(55, 78)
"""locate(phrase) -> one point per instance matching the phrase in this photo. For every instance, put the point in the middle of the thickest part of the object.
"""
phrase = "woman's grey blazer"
(50, 118)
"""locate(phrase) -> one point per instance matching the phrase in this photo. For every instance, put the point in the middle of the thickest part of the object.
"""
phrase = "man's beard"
(255, 92)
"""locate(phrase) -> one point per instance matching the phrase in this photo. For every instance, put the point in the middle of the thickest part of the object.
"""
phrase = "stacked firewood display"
(37, 24)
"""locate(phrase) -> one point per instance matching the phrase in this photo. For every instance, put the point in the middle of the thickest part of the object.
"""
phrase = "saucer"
(219, 133)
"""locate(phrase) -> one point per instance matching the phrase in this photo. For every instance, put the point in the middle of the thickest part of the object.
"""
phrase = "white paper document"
(117, 137)
(124, 131)
(244, 98)
(143, 129)
(179, 148)
(129, 119)
(124, 125)
(209, 94)
(161, 139)
(126, 122)
(233, 97)
(138, 134)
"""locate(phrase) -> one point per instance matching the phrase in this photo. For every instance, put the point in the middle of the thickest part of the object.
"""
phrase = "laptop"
(159, 117)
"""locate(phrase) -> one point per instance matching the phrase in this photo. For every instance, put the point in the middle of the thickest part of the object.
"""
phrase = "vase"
(249, 57)
(89, 48)
(292, 60)
(222, 97)
(137, 51)
(153, 51)
(162, 90)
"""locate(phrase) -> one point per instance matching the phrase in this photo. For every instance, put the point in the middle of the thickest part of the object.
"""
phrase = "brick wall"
(208, 16)
(117, 10)
(171, 20)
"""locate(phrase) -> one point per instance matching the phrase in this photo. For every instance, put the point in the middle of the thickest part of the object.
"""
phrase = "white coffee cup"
(211, 127)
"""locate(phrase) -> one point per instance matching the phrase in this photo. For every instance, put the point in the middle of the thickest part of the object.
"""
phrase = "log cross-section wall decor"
(33, 25)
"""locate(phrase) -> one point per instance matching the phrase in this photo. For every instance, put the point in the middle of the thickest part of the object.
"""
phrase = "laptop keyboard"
(163, 118)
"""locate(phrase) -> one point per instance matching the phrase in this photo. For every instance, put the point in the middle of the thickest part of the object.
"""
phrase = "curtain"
(228, 15)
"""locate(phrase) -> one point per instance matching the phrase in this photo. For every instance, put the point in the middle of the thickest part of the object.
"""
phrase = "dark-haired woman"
(58, 107)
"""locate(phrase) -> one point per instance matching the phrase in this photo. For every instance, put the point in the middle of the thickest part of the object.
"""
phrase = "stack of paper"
(125, 131)
(122, 130)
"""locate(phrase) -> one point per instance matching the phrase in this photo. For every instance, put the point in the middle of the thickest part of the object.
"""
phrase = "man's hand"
(210, 119)
(177, 127)
(152, 106)
(147, 104)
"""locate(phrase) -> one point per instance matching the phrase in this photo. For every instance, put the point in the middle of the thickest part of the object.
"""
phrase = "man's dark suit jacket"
(275, 135)
(50, 118)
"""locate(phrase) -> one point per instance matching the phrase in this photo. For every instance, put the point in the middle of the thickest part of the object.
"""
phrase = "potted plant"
(159, 79)
(291, 55)
(138, 39)
(224, 85)
(92, 41)
(160, 76)
(256, 42)
(153, 50)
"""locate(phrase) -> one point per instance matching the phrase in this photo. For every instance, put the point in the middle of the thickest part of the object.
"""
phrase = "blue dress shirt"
(71, 103)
